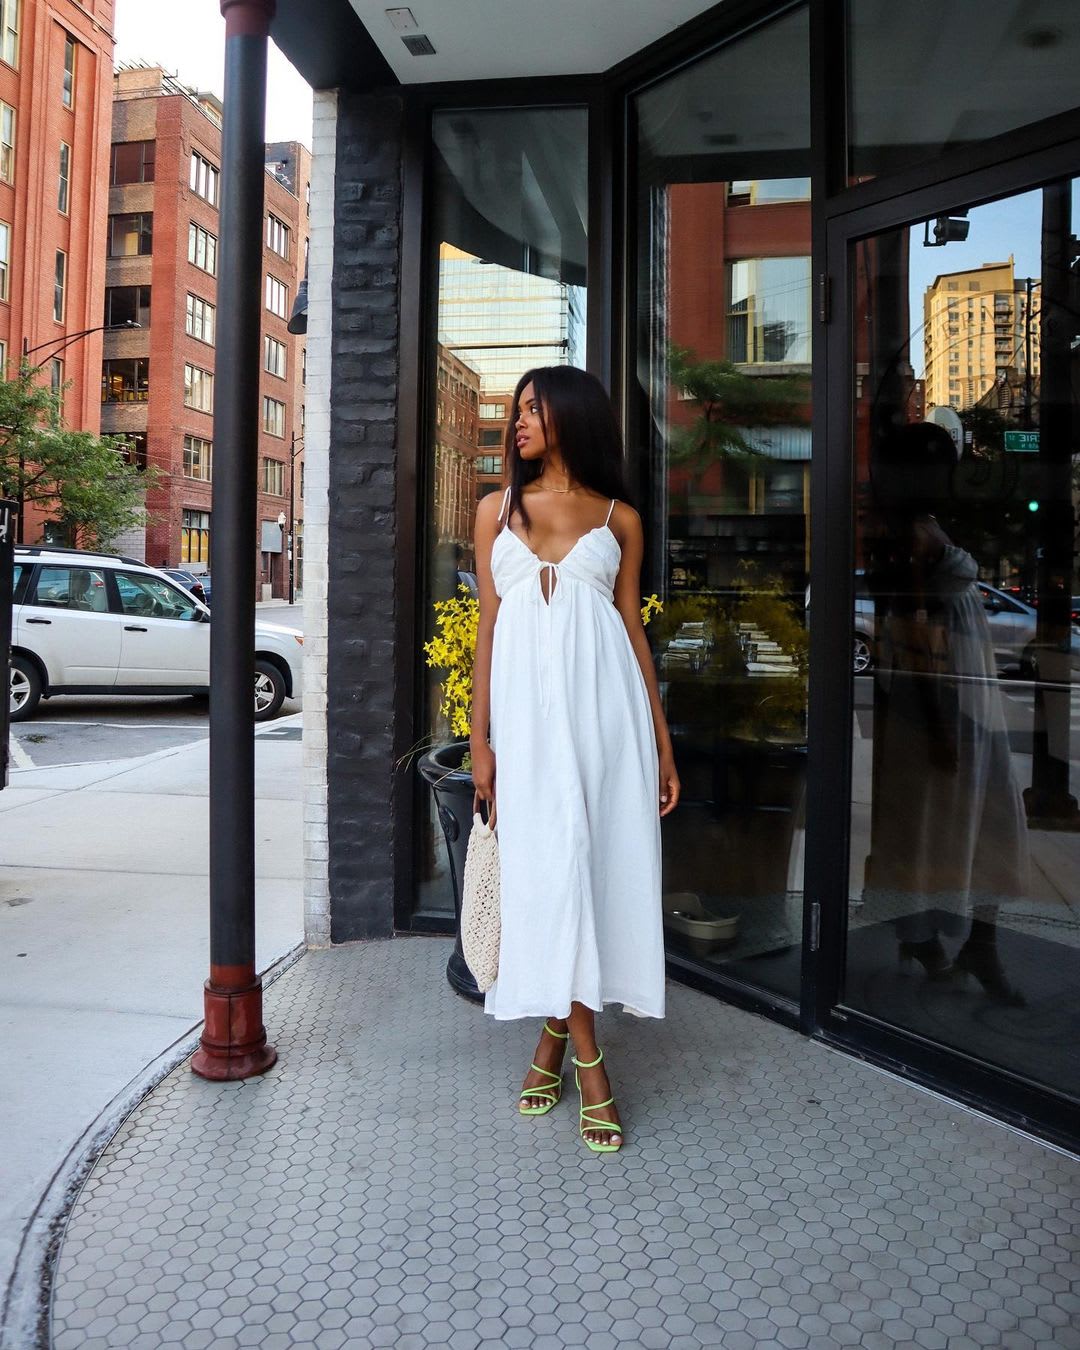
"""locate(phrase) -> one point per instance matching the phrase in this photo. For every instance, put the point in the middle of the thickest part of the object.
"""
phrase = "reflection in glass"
(964, 925)
(510, 220)
(910, 98)
(723, 333)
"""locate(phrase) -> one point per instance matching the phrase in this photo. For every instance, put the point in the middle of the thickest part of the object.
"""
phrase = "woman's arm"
(626, 526)
(483, 757)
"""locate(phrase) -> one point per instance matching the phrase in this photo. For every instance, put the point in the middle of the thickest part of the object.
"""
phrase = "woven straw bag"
(480, 918)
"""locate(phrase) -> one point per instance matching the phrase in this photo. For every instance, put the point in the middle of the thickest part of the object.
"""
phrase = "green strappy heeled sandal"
(548, 1092)
(588, 1122)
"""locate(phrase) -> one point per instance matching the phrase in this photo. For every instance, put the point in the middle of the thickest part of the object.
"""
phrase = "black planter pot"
(453, 789)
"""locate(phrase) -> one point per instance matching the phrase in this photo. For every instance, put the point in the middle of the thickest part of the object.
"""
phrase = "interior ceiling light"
(402, 20)
(419, 45)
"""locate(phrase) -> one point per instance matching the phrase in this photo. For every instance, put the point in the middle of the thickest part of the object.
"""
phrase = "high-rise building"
(55, 109)
(980, 330)
(157, 380)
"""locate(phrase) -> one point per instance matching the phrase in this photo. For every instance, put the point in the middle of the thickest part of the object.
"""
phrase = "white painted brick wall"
(316, 519)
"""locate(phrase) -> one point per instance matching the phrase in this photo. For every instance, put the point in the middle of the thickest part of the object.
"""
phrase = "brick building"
(55, 110)
(157, 382)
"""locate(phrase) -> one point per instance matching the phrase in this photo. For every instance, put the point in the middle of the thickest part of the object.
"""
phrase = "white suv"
(99, 623)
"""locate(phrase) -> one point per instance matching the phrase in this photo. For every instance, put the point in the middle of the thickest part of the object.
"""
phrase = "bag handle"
(491, 809)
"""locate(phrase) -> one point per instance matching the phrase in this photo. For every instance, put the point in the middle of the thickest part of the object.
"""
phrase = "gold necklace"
(576, 487)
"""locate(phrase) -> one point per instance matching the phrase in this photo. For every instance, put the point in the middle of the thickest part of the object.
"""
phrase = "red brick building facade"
(157, 381)
(55, 112)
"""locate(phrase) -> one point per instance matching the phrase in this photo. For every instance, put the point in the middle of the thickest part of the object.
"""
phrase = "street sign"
(1022, 442)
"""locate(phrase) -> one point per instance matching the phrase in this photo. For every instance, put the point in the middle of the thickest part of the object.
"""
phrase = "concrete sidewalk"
(377, 1188)
(104, 949)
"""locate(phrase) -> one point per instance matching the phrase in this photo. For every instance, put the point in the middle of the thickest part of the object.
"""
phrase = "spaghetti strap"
(502, 508)
(609, 510)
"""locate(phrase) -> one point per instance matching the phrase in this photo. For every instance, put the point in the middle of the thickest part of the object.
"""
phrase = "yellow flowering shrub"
(453, 650)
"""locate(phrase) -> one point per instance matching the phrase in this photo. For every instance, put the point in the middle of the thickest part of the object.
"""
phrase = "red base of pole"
(233, 1044)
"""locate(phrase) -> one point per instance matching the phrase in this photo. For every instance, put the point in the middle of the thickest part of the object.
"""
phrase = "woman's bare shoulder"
(625, 521)
(488, 509)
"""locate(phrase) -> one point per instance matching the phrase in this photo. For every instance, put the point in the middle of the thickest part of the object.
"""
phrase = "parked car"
(100, 623)
(188, 580)
(1012, 623)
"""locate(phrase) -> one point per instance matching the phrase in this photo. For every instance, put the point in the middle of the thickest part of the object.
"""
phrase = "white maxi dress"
(576, 781)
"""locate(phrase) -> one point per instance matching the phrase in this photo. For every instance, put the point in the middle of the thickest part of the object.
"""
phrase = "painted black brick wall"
(362, 656)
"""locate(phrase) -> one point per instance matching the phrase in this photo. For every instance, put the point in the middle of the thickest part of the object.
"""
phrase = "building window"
(769, 311)
(274, 355)
(131, 234)
(135, 453)
(489, 463)
(56, 383)
(277, 236)
(125, 380)
(68, 87)
(127, 305)
(194, 536)
(273, 417)
(5, 260)
(277, 297)
(63, 182)
(492, 411)
(303, 365)
(3, 360)
(9, 31)
(204, 178)
(273, 477)
(490, 436)
(59, 286)
(7, 143)
(200, 319)
(132, 162)
(198, 389)
(197, 458)
(202, 248)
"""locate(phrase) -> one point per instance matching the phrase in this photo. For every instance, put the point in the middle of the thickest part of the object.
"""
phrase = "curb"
(26, 1314)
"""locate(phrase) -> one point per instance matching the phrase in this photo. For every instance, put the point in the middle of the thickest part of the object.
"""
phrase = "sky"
(188, 40)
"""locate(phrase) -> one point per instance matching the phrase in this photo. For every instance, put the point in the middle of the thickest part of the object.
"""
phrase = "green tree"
(729, 401)
(89, 485)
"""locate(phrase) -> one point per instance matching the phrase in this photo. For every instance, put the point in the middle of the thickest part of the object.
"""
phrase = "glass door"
(962, 920)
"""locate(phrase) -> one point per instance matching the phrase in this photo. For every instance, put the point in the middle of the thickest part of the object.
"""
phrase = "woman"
(565, 696)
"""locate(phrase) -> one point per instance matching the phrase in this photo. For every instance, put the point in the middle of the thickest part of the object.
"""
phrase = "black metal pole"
(292, 519)
(233, 1043)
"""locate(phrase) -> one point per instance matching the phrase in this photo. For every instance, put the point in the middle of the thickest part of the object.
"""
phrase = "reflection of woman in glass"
(949, 838)
(564, 679)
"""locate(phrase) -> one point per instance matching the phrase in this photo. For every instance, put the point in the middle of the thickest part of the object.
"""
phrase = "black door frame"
(861, 214)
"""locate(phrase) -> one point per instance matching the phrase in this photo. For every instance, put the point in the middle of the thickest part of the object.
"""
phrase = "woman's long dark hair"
(577, 416)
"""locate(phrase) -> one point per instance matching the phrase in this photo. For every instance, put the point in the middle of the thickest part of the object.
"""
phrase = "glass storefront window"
(963, 925)
(722, 409)
(510, 229)
(926, 78)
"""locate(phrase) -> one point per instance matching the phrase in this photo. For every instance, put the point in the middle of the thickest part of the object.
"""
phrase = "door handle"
(39, 621)
(133, 628)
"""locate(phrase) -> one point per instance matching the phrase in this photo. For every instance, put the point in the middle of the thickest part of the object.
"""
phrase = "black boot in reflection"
(979, 957)
(930, 955)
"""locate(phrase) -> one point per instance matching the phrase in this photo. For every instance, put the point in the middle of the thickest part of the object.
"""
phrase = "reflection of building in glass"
(503, 321)
(456, 420)
(738, 303)
(980, 329)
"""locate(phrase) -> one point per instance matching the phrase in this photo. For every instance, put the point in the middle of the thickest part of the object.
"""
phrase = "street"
(86, 729)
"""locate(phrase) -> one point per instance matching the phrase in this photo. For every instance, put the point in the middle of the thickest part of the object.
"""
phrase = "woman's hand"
(669, 784)
(483, 770)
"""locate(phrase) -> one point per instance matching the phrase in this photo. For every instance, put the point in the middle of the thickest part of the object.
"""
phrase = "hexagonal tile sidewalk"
(376, 1188)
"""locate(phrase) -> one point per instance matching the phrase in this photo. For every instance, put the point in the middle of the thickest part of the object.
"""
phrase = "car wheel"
(862, 657)
(269, 690)
(24, 689)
